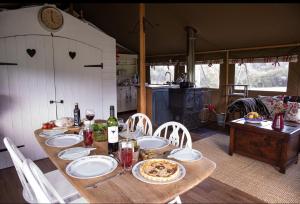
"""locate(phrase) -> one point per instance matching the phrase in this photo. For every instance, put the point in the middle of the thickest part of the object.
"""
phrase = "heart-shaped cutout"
(31, 52)
(72, 54)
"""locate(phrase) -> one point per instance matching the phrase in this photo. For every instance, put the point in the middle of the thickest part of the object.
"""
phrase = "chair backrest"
(180, 136)
(140, 120)
(18, 159)
(42, 188)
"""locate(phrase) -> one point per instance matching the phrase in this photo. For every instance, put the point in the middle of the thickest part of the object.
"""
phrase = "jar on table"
(100, 137)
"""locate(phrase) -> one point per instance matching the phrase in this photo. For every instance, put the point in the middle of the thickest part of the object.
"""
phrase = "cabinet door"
(74, 82)
(121, 99)
(133, 98)
(25, 92)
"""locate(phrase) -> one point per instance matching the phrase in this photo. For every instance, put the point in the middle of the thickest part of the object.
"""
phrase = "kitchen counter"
(164, 86)
(172, 103)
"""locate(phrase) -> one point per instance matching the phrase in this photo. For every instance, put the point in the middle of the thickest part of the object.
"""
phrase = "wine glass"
(120, 124)
(90, 114)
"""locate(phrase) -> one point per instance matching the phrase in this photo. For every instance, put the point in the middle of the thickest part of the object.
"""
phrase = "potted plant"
(100, 136)
(220, 116)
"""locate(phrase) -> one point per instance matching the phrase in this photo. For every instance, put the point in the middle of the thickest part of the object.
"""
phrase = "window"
(262, 76)
(207, 76)
(159, 74)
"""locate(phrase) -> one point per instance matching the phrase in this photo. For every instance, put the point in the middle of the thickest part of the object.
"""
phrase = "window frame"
(253, 90)
(163, 65)
(219, 78)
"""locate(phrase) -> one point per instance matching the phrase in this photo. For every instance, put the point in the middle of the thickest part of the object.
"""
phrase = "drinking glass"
(88, 137)
(120, 124)
(126, 150)
(90, 114)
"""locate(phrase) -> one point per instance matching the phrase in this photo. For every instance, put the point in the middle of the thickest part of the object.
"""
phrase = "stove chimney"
(191, 52)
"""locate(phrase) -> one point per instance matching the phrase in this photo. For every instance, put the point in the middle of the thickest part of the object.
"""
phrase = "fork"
(94, 185)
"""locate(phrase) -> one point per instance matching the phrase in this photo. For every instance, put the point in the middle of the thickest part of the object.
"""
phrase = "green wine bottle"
(112, 132)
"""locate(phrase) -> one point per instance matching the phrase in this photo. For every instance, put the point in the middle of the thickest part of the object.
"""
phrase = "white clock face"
(51, 18)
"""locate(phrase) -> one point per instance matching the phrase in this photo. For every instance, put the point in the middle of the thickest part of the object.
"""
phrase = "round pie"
(159, 169)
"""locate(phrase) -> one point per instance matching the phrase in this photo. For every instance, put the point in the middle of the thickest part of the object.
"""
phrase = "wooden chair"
(180, 136)
(63, 187)
(43, 190)
(140, 120)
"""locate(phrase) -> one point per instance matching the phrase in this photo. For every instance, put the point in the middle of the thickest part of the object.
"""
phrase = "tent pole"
(142, 90)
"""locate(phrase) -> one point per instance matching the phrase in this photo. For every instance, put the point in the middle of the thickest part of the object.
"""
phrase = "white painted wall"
(26, 89)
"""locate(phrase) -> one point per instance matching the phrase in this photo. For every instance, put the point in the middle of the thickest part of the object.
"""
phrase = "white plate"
(136, 174)
(126, 134)
(91, 166)
(194, 156)
(52, 132)
(64, 140)
(149, 142)
(78, 153)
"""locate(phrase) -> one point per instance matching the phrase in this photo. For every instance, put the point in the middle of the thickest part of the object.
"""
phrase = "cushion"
(269, 102)
(293, 112)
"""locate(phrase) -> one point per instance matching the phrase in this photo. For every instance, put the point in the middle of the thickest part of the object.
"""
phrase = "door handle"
(61, 101)
(95, 65)
(8, 63)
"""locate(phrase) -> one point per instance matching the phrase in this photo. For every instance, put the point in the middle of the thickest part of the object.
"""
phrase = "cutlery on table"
(94, 185)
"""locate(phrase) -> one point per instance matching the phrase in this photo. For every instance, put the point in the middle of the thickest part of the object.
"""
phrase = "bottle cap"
(111, 107)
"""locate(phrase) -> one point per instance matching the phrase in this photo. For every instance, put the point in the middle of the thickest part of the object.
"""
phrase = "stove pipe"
(191, 52)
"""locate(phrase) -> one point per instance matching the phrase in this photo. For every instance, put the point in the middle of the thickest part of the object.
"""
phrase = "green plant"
(99, 132)
(99, 126)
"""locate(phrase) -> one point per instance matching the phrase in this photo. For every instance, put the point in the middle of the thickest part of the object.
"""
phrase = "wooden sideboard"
(261, 142)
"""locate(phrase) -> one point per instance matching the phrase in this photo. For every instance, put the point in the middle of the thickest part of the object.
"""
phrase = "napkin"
(75, 152)
(184, 154)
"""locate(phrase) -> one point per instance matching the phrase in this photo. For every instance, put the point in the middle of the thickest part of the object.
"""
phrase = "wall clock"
(50, 18)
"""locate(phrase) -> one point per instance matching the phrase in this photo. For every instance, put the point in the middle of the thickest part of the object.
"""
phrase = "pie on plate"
(159, 169)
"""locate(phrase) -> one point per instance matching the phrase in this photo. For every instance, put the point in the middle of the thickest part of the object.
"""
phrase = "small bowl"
(253, 120)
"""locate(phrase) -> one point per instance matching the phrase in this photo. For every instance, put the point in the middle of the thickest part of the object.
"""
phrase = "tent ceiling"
(219, 26)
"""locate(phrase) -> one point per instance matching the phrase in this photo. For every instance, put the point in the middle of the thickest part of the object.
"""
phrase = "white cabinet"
(25, 91)
(50, 74)
(127, 98)
(74, 81)
(50, 66)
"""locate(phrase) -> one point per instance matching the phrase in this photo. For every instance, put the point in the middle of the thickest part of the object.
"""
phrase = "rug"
(256, 178)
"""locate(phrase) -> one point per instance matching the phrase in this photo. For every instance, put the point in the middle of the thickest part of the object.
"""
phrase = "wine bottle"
(112, 132)
(76, 115)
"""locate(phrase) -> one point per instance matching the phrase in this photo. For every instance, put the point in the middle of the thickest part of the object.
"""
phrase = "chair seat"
(63, 187)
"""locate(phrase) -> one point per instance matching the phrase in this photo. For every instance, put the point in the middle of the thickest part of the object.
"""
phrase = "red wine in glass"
(88, 137)
(90, 116)
(126, 157)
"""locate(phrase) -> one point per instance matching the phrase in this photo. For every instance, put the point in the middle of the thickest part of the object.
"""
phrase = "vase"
(278, 122)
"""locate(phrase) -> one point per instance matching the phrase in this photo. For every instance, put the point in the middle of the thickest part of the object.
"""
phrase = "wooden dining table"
(126, 188)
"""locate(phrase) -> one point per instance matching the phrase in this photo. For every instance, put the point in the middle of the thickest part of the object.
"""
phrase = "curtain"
(275, 60)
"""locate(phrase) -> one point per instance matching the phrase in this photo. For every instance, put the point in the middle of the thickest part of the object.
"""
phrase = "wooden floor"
(209, 191)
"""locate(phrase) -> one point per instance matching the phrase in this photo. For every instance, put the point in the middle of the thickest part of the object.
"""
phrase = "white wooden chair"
(180, 136)
(41, 187)
(62, 186)
(140, 120)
